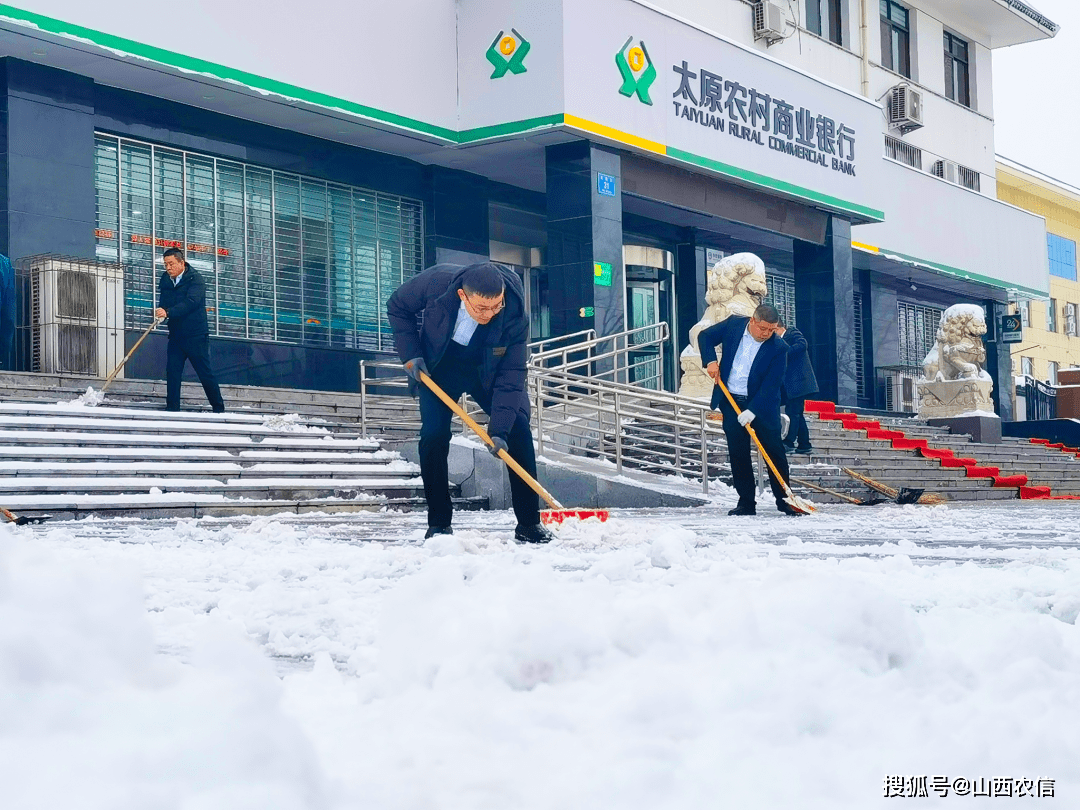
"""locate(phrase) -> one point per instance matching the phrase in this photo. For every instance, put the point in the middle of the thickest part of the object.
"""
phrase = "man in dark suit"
(752, 365)
(182, 300)
(799, 383)
(467, 327)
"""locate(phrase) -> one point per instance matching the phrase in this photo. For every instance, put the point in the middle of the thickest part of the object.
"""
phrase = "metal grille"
(782, 296)
(286, 258)
(968, 178)
(918, 330)
(860, 367)
(903, 152)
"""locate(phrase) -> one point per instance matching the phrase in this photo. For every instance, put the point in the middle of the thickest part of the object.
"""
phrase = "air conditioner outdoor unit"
(770, 22)
(945, 169)
(77, 316)
(905, 108)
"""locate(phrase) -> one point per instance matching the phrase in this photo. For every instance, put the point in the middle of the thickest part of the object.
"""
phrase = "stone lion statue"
(736, 286)
(959, 353)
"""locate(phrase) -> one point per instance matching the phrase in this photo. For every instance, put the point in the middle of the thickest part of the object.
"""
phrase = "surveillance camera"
(913, 286)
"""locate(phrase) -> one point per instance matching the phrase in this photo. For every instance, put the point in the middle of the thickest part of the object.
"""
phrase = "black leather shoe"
(789, 449)
(434, 530)
(743, 510)
(533, 534)
(788, 509)
(803, 451)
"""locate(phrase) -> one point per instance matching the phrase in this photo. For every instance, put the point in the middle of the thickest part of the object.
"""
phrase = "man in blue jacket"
(467, 328)
(182, 300)
(752, 365)
(799, 383)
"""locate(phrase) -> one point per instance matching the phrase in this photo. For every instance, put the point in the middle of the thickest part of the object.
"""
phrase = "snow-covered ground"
(666, 659)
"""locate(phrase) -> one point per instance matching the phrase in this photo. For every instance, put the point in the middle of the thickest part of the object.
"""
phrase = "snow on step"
(396, 465)
(31, 451)
(75, 437)
(74, 485)
(108, 411)
(138, 425)
(144, 467)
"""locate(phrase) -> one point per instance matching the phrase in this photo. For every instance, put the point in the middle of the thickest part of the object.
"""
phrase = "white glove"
(746, 417)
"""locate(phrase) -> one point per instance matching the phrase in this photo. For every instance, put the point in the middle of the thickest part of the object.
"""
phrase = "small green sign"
(586, 312)
(601, 274)
(507, 53)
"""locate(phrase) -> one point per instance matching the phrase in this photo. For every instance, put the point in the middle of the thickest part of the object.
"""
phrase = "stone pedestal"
(943, 399)
(985, 429)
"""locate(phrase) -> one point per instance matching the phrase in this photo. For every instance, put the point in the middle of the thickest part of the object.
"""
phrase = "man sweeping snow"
(466, 327)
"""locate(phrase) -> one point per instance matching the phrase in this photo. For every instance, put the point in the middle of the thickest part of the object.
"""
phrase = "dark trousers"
(798, 433)
(742, 468)
(435, 446)
(197, 350)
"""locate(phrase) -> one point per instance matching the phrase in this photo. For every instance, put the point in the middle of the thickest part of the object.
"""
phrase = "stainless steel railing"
(584, 412)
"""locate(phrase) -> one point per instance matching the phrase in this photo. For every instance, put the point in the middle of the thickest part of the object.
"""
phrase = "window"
(782, 296)
(1027, 366)
(286, 258)
(1062, 255)
(1023, 308)
(1051, 316)
(1051, 372)
(823, 19)
(918, 331)
(1070, 320)
(895, 38)
(956, 70)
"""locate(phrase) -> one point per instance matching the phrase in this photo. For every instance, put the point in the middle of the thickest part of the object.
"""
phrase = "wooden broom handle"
(479, 431)
(757, 441)
(127, 357)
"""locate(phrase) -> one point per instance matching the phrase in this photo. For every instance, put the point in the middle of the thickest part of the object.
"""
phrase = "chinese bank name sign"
(707, 101)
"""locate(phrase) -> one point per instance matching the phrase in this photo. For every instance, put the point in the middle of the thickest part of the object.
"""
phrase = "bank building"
(612, 151)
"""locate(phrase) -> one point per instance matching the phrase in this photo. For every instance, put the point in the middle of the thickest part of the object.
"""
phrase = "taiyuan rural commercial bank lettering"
(142, 239)
(763, 119)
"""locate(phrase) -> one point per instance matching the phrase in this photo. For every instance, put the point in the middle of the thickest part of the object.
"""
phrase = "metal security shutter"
(286, 258)
(918, 331)
(782, 296)
(860, 360)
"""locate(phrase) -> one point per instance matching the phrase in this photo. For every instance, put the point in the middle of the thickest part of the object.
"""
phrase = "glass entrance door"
(644, 365)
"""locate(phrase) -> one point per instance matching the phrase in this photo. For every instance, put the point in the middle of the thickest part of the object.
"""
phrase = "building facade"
(1051, 337)
(610, 150)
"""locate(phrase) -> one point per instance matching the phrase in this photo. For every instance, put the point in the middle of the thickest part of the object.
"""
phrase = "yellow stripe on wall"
(868, 248)
(614, 134)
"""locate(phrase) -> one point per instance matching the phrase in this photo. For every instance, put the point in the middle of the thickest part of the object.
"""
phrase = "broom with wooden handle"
(557, 513)
(792, 500)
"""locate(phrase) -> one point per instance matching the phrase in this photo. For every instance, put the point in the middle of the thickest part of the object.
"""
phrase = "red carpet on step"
(982, 472)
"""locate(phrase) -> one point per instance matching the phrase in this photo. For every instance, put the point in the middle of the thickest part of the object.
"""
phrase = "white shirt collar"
(176, 280)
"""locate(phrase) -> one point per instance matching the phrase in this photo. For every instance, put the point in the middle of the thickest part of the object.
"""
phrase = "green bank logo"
(637, 70)
(507, 53)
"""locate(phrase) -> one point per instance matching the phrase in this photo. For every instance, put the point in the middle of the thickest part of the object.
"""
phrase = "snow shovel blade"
(908, 495)
(873, 501)
(555, 517)
(22, 520)
(800, 504)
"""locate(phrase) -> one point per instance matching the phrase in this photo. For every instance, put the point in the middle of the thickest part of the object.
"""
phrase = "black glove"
(415, 366)
(497, 443)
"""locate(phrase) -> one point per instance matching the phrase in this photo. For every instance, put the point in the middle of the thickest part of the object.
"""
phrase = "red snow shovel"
(557, 513)
(792, 500)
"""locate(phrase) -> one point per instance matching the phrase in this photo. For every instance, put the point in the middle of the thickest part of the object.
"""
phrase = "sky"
(1037, 97)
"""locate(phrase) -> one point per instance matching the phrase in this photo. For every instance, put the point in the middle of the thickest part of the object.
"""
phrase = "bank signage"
(731, 108)
(637, 75)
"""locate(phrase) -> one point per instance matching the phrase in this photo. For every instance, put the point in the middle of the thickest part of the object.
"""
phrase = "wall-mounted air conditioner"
(905, 108)
(77, 316)
(945, 169)
(770, 22)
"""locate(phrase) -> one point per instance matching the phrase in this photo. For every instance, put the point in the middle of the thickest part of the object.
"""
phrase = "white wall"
(939, 222)
(395, 56)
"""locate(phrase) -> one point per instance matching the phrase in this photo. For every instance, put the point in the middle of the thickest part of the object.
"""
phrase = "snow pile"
(659, 660)
(94, 718)
(290, 423)
(90, 399)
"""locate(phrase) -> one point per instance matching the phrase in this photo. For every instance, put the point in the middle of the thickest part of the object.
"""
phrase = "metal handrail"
(619, 422)
(537, 345)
